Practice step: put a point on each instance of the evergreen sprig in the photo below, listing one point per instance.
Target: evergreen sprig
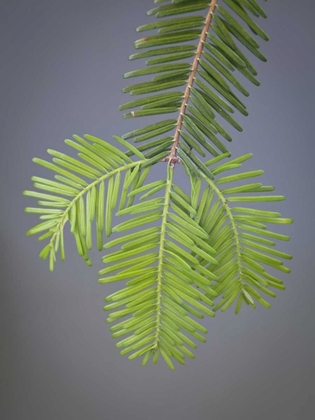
(180, 255)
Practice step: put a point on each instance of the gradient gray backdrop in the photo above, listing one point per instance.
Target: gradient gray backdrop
(61, 67)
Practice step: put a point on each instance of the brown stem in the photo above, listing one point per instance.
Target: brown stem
(172, 156)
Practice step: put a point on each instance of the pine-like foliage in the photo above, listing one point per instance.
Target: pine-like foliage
(210, 67)
(180, 255)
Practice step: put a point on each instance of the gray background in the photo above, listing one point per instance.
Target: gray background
(61, 67)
